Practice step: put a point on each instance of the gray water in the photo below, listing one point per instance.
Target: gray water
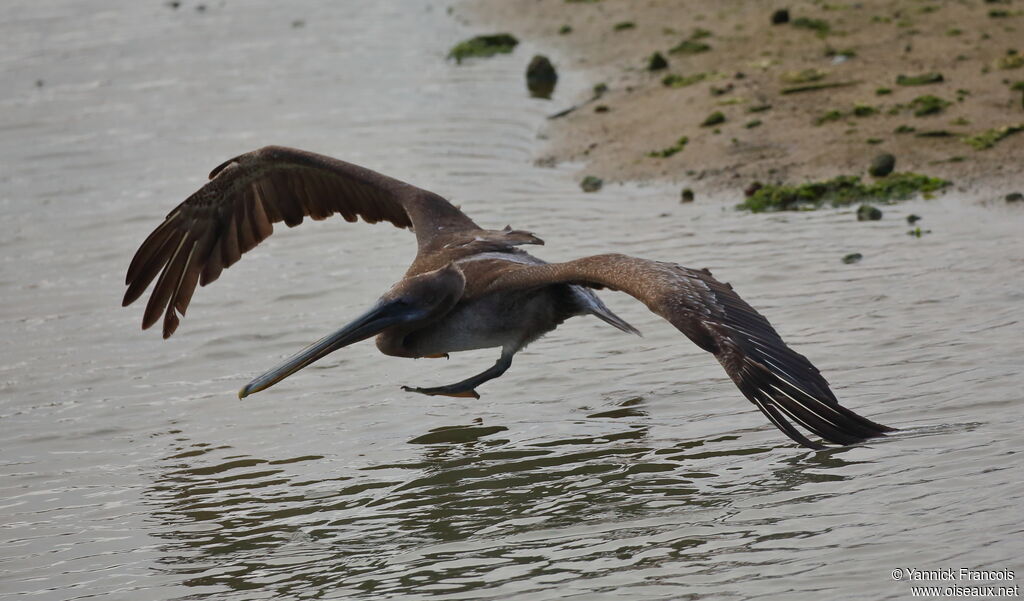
(601, 466)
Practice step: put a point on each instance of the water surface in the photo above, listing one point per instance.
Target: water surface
(601, 466)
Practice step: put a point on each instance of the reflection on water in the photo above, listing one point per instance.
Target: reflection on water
(467, 516)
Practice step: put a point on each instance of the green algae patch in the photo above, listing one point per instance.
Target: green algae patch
(1010, 61)
(989, 138)
(803, 76)
(818, 26)
(673, 80)
(813, 87)
(690, 46)
(840, 191)
(833, 115)
(863, 110)
(664, 153)
(928, 105)
(919, 80)
(715, 118)
(483, 46)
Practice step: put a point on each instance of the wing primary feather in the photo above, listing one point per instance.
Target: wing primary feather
(162, 292)
(149, 247)
(145, 274)
(779, 421)
(170, 318)
(214, 265)
(191, 275)
(229, 248)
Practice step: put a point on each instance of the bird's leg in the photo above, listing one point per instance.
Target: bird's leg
(466, 387)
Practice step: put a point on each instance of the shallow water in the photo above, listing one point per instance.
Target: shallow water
(602, 466)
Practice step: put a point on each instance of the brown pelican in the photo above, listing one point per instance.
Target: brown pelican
(468, 288)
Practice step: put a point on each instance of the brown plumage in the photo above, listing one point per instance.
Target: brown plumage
(468, 287)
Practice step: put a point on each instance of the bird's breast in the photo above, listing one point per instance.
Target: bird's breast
(495, 320)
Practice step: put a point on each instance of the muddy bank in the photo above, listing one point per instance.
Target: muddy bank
(812, 92)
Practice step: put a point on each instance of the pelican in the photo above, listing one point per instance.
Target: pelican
(468, 287)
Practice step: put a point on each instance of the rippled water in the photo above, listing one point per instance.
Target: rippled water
(602, 466)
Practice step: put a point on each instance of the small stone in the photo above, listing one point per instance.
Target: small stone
(752, 189)
(867, 212)
(1014, 197)
(882, 165)
(591, 183)
(657, 62)
(852, 258)
(780, 16)
(687, 195)
(912, 219)
(541, 77)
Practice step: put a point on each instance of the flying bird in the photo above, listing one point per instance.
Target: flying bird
(468, 287)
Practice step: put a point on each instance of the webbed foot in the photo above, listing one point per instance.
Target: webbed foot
(452, 391)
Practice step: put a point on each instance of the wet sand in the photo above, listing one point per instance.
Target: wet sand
(769, 135)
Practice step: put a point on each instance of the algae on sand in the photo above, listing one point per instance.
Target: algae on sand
(987, 139)
(483, 46)
(928, 105)
(919, 80)
(664, 153)
(839, 191)
(689, 47)
(673, 80)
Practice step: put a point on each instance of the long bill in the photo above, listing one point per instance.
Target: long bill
(380, 317)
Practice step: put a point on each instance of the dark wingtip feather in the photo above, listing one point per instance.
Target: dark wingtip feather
(779, 399)
(170, 323)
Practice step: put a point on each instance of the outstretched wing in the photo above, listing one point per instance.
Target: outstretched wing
(235, 211)
(781, 382)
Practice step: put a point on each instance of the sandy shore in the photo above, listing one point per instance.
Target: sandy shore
(732, 59)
